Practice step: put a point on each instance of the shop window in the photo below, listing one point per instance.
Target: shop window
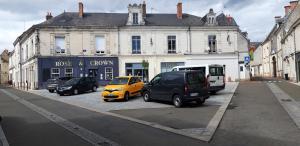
(100, 44)
(135, 18)
(212, 41)
(108, 73)
(55, 73)
(136, 44)
(241, 68)
(167, 66)
(60, 44)
(171, 44)
(69, 72)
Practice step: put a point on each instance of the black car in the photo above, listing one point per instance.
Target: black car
(53, 83)
(178, 87)
(77, 85)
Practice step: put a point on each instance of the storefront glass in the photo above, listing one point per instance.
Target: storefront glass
(167, 66)
(137, 69)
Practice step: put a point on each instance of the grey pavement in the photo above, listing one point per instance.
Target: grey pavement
(255, 118)
(292, 89)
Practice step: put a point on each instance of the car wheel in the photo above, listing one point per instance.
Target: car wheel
(106, 100)
(94, 89)
(200, 101)
(146, 96)
(60, 94)
(51, 91)
(75, 91)
(126, 96)
(177, 101)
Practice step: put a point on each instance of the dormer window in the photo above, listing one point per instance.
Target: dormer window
(211, 17)
(135, 18)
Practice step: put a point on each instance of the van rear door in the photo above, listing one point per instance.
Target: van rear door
(195, 83)
(216, 77)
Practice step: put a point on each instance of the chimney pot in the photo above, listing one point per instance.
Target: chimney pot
(49, 16)
(287, 10)
(80, 9)
(144, 9)
(179, 10)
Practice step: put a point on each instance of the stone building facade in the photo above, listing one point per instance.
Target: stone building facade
(105, 45)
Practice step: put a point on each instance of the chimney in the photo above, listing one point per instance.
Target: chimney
(49, 16)
(278, 20)
(144, 9)
(179, 10)
(229, 19)
(80, 9)
(293, 5)
(287, 10)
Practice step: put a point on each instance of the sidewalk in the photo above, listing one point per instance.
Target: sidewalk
(292, 89)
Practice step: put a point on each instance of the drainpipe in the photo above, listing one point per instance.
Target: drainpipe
(190, 39)
(119, 50)
(296, 72)
(20, 63)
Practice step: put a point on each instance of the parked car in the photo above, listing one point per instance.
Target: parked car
(53, 83)
(78, 85)
(178, 87)
(215, 75)
(122, 88)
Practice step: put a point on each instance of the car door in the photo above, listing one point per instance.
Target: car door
(84, 85)
(155, 87)
(132, 86)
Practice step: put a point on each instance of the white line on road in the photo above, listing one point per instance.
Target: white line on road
(85, 134)
(3, 140)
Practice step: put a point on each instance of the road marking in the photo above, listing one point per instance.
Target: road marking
(85, 134)
(288, 103)
(3, 140)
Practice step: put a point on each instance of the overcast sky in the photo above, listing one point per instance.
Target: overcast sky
(254, 16)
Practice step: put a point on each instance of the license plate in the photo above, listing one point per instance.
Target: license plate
(111, 95)
(194, 94)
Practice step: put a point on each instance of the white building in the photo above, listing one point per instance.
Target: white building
(105, 45)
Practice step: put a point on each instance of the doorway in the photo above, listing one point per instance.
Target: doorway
(274, 67)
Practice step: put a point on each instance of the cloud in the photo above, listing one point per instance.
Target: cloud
(254, 16)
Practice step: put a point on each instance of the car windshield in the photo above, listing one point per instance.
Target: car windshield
(52, 81)
(118, 81)
(216, 71)
(72, 81)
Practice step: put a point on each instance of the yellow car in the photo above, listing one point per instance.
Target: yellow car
(122, 88)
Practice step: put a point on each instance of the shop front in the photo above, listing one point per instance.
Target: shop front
(102, 68)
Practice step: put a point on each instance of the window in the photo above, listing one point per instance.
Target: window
(108, 73)
(135, 18)
(171, 44)
(136, 44)
(55, 73)
(100, 44)
(156, 79)
(241, 68)
(212, 43)
(60, 44)
(69, 72)
(167, 66)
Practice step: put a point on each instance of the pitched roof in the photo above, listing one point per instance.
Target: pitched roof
(71, 19)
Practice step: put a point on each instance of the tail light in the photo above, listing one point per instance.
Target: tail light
(186, 89)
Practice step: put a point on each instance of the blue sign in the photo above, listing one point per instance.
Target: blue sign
(247, 59)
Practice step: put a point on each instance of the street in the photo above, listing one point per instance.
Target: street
(254, 117)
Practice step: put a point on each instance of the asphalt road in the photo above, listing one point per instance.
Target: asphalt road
(254, 118)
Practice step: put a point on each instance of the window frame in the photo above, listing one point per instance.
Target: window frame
(136, 44)
(52, 73)
(101, 50)
(135, 18)
(69, 73)
(56, 44)
(106, 72)
(172, 44)
(212, 43)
